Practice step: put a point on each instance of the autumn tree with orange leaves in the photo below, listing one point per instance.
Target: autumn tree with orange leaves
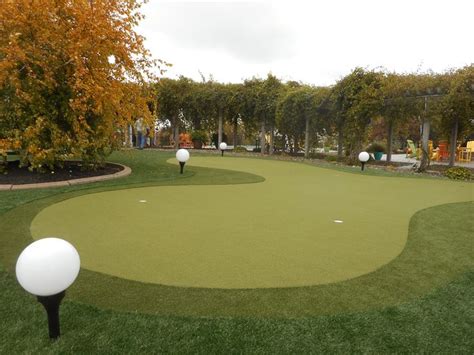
(73, 74)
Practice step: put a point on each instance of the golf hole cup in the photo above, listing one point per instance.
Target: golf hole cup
(46, 268)
(364, 158)
(182, 155)
(223, 147)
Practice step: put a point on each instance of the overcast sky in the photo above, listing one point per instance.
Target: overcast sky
(316, 42)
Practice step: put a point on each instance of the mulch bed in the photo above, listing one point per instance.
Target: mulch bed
(71, 170)
(432, 169)
(388, 163)
(443, 168)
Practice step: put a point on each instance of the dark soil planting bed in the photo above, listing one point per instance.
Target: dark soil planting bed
(71, 170)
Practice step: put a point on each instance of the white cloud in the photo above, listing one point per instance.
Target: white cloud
(312, 41)
(248, 31)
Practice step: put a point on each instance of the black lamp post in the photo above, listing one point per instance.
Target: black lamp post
(182, 155)
(46, 268)
(223, 147)
(364, 158)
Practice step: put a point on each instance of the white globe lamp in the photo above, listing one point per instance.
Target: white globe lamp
(46, 268)
(363, 158)
(182, 155)
(223, 147)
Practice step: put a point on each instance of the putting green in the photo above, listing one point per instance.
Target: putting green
(278, 233)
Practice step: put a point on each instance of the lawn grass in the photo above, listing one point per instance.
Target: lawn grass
(435, 316)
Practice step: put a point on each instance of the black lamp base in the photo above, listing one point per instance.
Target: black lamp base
(51, 305)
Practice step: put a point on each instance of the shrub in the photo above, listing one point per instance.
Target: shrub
(375, 147)
(165, 137)
(317, 155)
(240, 150)
(3, 161)
(199, 135)
(458, 173)
(335, 158)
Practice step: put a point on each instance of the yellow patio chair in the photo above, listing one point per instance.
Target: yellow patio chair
(470, 145)
(411, 150)
(465, 153)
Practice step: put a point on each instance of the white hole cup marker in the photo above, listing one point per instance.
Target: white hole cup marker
(182, 155)
(223, 147)
(363, 158)
(46, 268)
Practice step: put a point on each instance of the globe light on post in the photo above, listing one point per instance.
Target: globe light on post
(223, 147)
(46, 268)
(364, 158)
(182, 156)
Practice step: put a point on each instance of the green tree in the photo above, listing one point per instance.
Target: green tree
(248, 106)
(428, 90)
(356, 98)
(215, 96)
(172, 103)
(457, 106)
(267, 96)
(398, 105)
(200, 105)
(299, 114)
(235, 105)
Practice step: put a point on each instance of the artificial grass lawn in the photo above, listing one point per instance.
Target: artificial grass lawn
(277, 233)
(421, 301)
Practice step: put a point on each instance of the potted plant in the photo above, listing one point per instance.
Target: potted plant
(376, 149)
(198, 137)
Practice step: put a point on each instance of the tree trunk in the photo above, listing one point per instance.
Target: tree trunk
(236, 127)
(176, 133)
(340, 140)
(219, 130)
(197, 124)
(130, 136)
(306, 139)
(272, 139)
(262, 138)
(454, 138)
(389, 141)
(355, 149)
(425, 159)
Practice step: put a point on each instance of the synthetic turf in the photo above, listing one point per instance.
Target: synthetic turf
(278, 233)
